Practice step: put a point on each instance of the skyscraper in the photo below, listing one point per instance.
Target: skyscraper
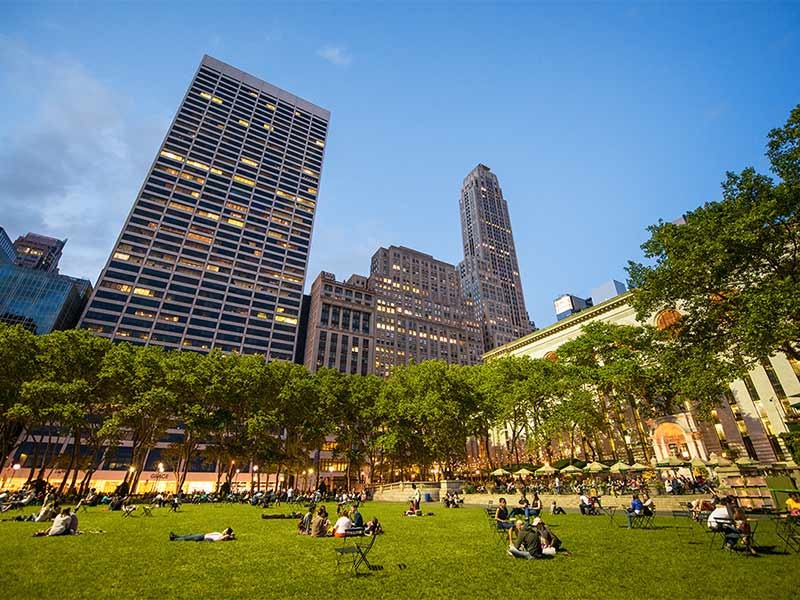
(8, 254)
(39, 252)
(421, 313)
(215, 248)
(489, 271)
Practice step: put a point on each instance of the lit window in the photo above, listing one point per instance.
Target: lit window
(216, 100)
(199, 238)
(180, 206)
(208, 215)
(122, 256)
(283, 194)
(262, 315)
(214, 268)
(312, 191)
(172, 318)
(310, 172)
(269, 106)
(247, 161)
(143, 292)
(319, 143)
(234, 206)
(244, 123)
(199, 165)
(236, 222)
(244, 180)
(289, 320)
(171, 155)
(141, 313)
(253, 94)
(216, 171)
(206, 95)
(276, 234)
(267, 126)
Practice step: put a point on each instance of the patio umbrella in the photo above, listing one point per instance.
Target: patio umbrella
(523, 472)
(546, 470)
(595, 467)
(745, 462)
(619, 467)
(718, 461)
(638, 468)
(698, 463)
(671, 462)
(570, 470)
(499, 472)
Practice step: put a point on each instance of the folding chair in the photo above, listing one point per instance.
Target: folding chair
(358, 553)
(684, 514)
(788, 530)
(147, 511)
(127, 511)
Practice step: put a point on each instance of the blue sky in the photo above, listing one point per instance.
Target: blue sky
(598, 118)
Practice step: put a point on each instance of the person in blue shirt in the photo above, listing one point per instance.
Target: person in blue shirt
(634, 511)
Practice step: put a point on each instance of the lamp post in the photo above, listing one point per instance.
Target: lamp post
(258, 479)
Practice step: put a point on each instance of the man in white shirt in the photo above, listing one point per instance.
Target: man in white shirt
(585, 504)
(215, 536)
(342, 524)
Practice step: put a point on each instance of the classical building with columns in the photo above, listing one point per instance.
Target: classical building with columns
(748, 421)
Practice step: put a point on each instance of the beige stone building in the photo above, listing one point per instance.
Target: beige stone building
(747, 422)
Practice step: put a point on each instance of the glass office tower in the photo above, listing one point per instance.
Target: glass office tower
(214, 252)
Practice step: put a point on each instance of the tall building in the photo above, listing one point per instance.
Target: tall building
(40, 252)
(214, 251)
(489, 271)
(421, 312)
(341, 325)
(8, 254)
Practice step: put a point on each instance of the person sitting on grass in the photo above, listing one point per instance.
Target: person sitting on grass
(358, 520)
(373, 527)
(66, 523)
(320, 524)
(501, 518)
(343, 523)
(528, 545)
(227, 535)
(551, 543)
(555, 509)
(634, 511)
(304, 526)
(412, 509)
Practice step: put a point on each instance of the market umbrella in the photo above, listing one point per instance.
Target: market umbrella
(619, 467)
(638, 468)
(671, 462)
(499, 472)
(546, 470)
(595, 467)
(523, 472)
(698, 463)
(745, 461)
(570, 470)
(718, 461)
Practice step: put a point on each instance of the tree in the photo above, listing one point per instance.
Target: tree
(135, 379)
(18, 348)
(733, 268)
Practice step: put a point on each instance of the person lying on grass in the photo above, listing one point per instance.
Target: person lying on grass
(66, 523)
(215, 536)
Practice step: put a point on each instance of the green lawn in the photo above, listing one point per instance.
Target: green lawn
(450, 555)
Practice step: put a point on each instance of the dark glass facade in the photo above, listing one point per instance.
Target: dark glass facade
(8, 255)
(40, 301)
(215, 249)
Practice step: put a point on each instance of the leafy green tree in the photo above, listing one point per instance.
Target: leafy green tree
(733, 268)
(135, 379)
(18, 349)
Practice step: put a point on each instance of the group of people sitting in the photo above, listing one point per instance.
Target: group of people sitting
(533, 540)
(316, 523)
(729, 519)
(452, 500)
(589, 505)
(64, 523)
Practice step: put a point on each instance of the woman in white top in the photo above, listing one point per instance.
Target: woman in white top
(342, 524)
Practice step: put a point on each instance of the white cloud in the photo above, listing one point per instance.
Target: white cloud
(336, 55)
(72, 155)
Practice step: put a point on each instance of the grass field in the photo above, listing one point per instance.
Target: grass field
(450, 555)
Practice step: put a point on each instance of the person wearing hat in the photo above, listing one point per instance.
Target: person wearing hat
(527, 545)
(214, 536)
